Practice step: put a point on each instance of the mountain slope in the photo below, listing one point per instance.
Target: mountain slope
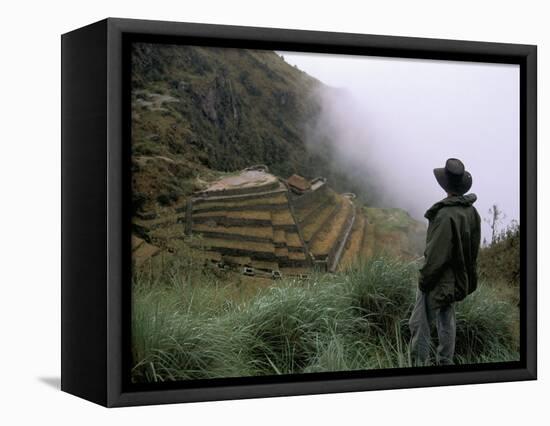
(216, 109)
(201, 113)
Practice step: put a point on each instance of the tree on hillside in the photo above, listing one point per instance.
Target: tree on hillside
(496, 216)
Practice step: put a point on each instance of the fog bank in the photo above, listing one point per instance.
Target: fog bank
(395, 120)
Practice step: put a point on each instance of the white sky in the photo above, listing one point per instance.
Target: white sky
(411, 115)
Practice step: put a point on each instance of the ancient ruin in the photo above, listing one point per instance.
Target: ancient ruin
(263, 225)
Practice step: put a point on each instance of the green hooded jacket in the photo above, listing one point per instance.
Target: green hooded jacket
(449, 272)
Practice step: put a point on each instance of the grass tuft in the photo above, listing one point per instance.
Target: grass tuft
(194, 326)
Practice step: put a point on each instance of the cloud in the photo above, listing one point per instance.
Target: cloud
(392, 121)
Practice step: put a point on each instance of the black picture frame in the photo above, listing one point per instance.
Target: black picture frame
(95, 213)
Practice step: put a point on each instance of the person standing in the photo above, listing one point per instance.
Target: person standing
(449, 272)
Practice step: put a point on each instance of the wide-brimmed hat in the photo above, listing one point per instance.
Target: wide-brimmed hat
(454, 178)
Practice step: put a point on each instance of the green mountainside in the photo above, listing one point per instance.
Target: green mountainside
(217, 109)
(201, 113)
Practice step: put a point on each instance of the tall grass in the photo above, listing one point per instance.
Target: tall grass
(193, 326)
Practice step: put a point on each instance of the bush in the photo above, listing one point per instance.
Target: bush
(500, 260)
(487, 326)
(138, 201)
(169, 197)
(384, 290)
(287, 323)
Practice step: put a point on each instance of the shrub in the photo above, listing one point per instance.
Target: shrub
(288, 321)
(500, 260)
(383, 289)
(487, 326)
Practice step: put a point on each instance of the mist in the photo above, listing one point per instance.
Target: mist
(392, 121)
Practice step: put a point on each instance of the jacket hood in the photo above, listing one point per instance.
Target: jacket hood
(455, 200)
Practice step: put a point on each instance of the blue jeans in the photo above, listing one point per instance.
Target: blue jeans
(422, 317)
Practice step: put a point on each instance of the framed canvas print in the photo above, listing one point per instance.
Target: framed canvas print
(252, 212)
